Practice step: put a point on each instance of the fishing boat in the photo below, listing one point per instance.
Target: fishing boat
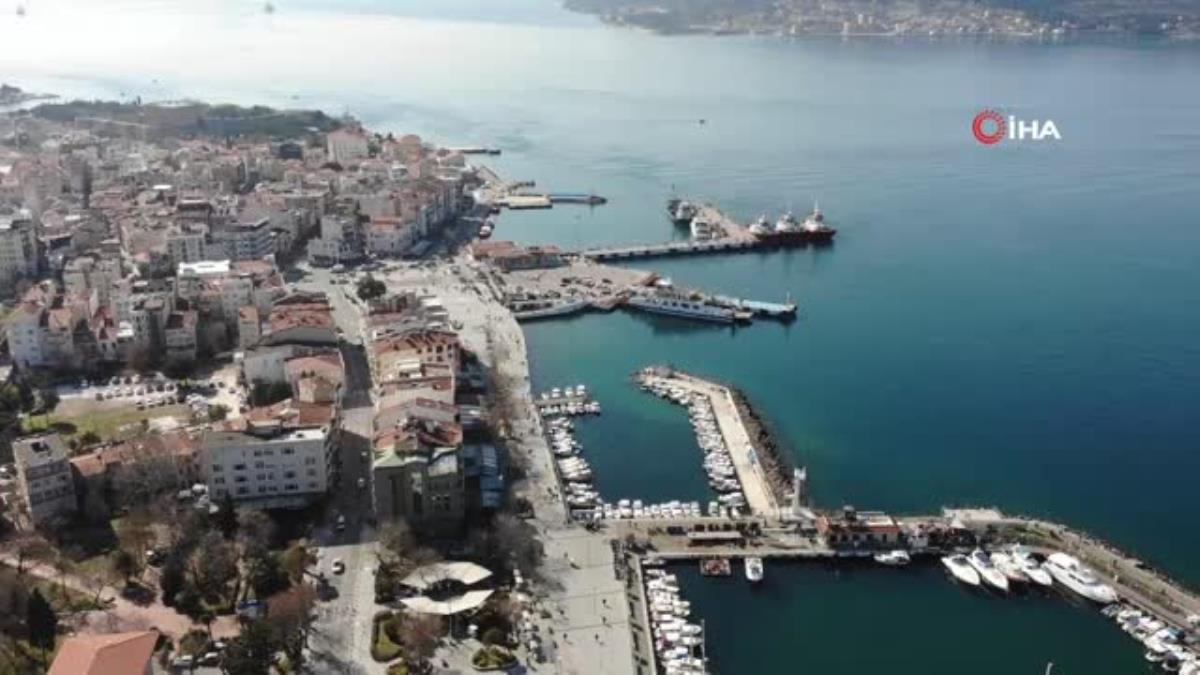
(1068, 571)
(754, 569)
(982, 562)
(961, 568)
(896, 558)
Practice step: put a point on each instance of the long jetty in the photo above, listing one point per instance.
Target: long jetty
(672, 248)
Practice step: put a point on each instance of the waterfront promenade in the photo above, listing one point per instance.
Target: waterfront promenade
(577, 600)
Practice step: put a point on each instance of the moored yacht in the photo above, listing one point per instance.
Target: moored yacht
(1024, 559)
(754, 569)
(1068, 571)
(982, 562)
(1009, 568)
(961, 568)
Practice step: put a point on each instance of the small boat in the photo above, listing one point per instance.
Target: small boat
(982, 562)
(896, 558)
(754, 569)
(961, 569)
(1069, 572)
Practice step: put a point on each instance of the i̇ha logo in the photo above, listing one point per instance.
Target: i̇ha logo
(990, 127)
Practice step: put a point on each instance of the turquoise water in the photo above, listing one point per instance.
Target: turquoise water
(1014, 325)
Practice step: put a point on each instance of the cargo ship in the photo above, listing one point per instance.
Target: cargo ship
(787, 232)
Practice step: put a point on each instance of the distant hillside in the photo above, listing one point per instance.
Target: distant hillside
(1177, 18)
(189, 118)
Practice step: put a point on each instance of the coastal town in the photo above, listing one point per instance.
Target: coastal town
(902, 18)
(267, 408)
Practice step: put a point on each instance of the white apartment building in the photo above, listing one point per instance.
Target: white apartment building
(44, 479)
(285, 470)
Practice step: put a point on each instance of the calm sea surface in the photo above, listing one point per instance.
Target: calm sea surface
(1015, 325)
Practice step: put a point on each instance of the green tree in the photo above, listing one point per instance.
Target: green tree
(264, 572)
(369, 287)
(126, 564)
(172, 580)
(50, 400)
(226, 518)
(89, 438)
(253, 651)
(41, 622)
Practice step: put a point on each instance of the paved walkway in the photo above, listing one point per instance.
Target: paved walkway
(586, 630)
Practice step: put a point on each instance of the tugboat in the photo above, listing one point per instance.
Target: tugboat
(787, 232)
(815, 229)
(761, 226)
(681, 212)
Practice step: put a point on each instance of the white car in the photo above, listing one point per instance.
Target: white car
(338, 566)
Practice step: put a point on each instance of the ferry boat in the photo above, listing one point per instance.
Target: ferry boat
(681, 212)
(1068, 571)
(896, 558)
(982, 562)
(754, 569)
(962, 570)
(673, 303)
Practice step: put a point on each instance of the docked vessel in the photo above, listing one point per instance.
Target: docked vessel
(1068, 571)
(788, 232)
(666, 300)
(754, 569)
(896, 558)
(962, 570)
(1009, 568)
(681, 212)
(1024, 559)
(761, 226)
(982, 562)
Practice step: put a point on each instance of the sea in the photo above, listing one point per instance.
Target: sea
(1014, 325)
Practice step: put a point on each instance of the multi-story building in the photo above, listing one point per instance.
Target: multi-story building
(18, 246)
(44, 478)
(179, 336)
(280, 456)
(247, 240)
(341, 241)
(346, 145)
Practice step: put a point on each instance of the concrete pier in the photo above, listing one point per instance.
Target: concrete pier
(760, 499)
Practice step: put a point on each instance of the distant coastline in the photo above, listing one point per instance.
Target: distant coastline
(854, 19)
(14, 96)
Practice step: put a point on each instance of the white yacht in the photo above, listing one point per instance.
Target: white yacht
(896, 558)
(1024, 559)
(1009, 568)
(754, 569)
(1069, 572)
(982, 562)
(961, 569)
